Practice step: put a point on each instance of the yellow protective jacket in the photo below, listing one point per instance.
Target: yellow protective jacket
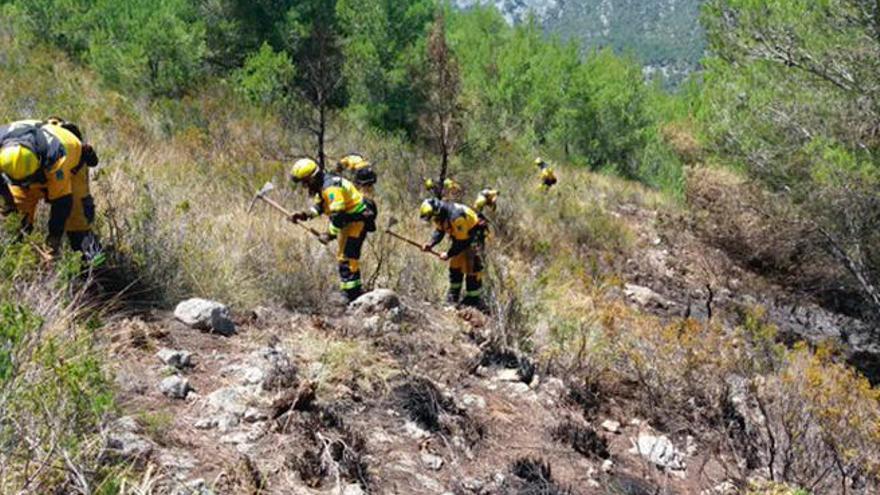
(458, 221)
(487, 197)
(548, 177)
(341, 201)
(353, 162)
(59, 152)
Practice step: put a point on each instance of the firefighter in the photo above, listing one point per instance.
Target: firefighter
(462, 224)
(360, 170)
(451, 188)
(547, 176)
(48, 161)
(351, 218)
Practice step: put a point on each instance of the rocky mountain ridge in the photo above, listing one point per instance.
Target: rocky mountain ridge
(664, 34)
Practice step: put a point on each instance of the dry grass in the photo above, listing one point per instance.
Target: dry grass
(177, 178)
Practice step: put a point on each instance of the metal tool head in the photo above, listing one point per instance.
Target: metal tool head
(267, 187)
(392, 221)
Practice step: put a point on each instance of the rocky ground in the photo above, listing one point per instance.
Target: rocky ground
(389, 396)
(674, 272)
(396, 396)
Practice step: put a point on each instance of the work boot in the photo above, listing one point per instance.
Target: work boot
(452, 297)
(474, 302)
(352, 294)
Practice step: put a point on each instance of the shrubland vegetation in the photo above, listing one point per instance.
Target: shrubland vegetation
(194, 105)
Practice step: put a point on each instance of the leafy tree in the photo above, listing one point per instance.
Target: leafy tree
(236, 28)
(266, 77)
(608, 109)
(158, 46)
(381, 40)
(793, 95)
(155, 45)
(312, 36)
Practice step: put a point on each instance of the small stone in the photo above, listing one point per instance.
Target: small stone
(414, 431)
(433, 462)
(646, 297)
(127, 446)
(472, 485)
(660, 451)
(126, 423)
(254, 415)
(611, 426)
(175, 358)
(235, 438)
(175, 387)
(593, 484)
(607, 466)
(252, 376)
(507, 375)
(206, 423)
(353, 489)
(232, 400)
(205, 315)
(482, 371)
(725, 488)
(471, 401)
(690, 446)
(375, 301)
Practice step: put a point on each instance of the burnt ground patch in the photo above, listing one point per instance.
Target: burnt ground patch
(422, 402)
(331, 450)
(587, 396)
(583, 439)
(507, 358)
(532, 476)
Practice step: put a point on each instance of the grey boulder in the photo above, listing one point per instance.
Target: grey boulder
(202, 314)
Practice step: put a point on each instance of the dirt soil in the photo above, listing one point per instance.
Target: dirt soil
(401, 405)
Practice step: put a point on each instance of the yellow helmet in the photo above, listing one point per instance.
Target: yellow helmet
(539, 161)
(18, 162)
(303, 169)
(429, 184)
(429, 209)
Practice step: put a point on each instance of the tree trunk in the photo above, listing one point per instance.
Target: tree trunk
(322, 127)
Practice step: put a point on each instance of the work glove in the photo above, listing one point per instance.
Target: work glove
(444, 256)
(298, 217)
(89, 157)
(325, 238)
(427, 247)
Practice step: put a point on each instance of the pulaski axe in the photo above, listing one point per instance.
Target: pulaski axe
(262, 195)
(391, 223)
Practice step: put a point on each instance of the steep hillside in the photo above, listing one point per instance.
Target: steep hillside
(625, 349)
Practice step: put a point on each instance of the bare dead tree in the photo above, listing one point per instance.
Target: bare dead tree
(440, 122)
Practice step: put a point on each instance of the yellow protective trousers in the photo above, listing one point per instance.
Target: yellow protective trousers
(466, 268)
(350, 243)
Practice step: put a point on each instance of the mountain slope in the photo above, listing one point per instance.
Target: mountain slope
(664, 34)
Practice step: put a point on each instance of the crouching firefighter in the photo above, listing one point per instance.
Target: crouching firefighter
(546, 174)
(467, 231)
(47, 161)
(352, 216)
(360, 171)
